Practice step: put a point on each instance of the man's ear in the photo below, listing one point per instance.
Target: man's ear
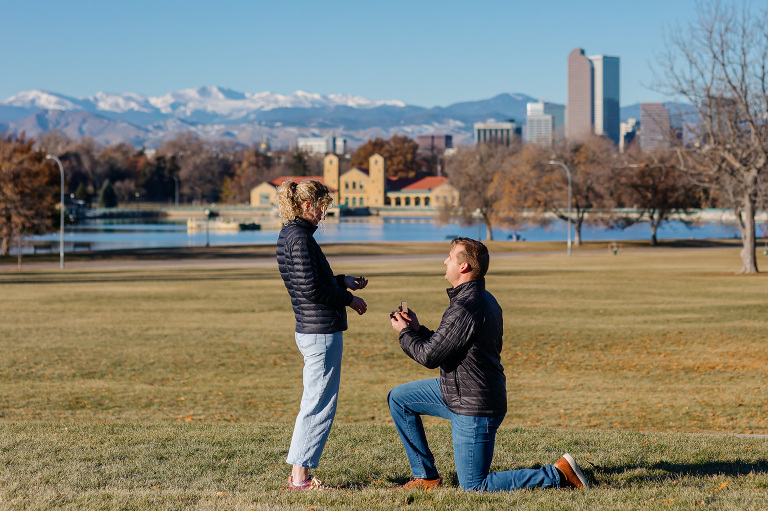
(465, 267)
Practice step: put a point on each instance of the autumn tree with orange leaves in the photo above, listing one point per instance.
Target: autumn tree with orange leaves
(399, 154)
(29, 191)
(542, 188)
(251, 168)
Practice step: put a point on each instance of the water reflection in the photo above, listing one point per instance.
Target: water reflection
(114, 235)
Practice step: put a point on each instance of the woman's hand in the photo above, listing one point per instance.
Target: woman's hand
(358, 305)
(355, 283)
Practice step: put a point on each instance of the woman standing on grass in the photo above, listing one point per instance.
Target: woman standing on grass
(319, 299)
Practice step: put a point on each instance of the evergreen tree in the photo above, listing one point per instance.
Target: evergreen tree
(82, 194)
(107, 195)
(299, 165)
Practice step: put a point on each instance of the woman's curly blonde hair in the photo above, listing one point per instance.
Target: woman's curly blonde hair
(291, 195)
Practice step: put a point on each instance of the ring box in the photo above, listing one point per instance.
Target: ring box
(402, 308)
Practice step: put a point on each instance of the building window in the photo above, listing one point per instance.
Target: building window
(346, 185)
(354, 202)
(397, 201)
(361, 201)
(264, 198)
(407, 201)
(417, 201)
(361, 185)
(354, 185)
(346, 201)
(426, 201)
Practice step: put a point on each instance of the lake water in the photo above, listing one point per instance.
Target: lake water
(125, 236)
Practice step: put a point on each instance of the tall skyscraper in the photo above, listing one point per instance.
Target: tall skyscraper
(593, 96)
(580, 109)
(607, 116)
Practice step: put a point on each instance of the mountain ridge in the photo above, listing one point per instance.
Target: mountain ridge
(214, 112)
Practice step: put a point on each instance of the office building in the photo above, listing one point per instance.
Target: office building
(322, 145)
(580, 107)
(607, 116)
(593, 97)
(492, 132)
(628, 133)
(655, 126)
(434, 143)
(544, 123)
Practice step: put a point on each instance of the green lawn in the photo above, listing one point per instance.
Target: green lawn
(177, 388)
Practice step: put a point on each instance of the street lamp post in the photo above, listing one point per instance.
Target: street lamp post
(479, 215)
(570, 186)
(61, 207)
(207, 224)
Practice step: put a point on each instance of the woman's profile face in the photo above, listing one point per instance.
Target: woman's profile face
(311, 213)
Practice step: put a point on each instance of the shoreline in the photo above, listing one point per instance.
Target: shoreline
(227, 255)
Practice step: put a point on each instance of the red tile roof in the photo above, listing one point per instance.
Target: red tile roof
(416, 185)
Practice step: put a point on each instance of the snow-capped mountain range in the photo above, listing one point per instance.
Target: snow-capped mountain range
(220, 113)
(221, 101)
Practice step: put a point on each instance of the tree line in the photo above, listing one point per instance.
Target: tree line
(719, 158)
(198, 171)
(521, 184)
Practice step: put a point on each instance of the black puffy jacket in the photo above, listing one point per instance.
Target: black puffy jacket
(318, 297)
(467, 348)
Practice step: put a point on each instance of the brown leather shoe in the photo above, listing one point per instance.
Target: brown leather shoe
(420, 484)
(570, 473)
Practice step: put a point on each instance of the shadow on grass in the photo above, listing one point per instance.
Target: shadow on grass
(641, 473)
(664, 470)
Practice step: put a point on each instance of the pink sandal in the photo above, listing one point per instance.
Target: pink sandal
(311, 483)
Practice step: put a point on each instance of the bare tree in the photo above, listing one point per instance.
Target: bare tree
(653, 184)
(251, 168)
(202, 165)
(478, 174)
(543, 189)
(720, 65)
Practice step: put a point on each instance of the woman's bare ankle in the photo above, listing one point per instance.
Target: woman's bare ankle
(299, 474)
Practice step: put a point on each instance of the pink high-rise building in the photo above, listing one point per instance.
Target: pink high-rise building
(580, 113)
(593, 97)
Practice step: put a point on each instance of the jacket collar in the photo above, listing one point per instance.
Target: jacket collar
(477, 284)
(304, 224)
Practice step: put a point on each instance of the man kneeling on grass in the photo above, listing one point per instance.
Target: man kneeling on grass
(471, 391)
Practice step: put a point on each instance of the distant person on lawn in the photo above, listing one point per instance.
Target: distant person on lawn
(471, 391)
(319, 300)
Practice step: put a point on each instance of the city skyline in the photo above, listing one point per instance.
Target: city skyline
(425, 54)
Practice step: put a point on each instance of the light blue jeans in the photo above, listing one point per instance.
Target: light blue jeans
(322, 371)
(473, 442)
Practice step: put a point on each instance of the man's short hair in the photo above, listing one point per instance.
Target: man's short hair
(475, 254)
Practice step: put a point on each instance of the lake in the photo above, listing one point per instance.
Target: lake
(113, 236)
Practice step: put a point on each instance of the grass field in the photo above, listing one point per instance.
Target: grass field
(176, 388)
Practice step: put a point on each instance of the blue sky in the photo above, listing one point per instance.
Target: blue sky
(423, 52)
